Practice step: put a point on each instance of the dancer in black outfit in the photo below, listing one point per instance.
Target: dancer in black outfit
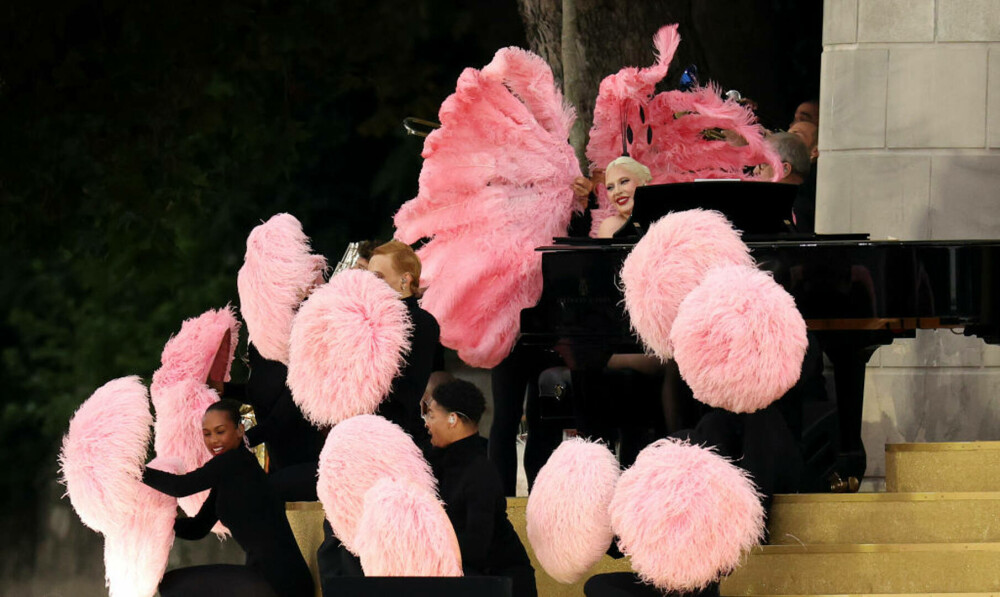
(241, 499)
(471, 490)
(293, 444)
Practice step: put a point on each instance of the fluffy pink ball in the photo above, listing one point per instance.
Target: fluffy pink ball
(738, 339)
(104, 450)
(685, 515)
(203, 348)
(348, 342)
(405, 531)
(277, 273)
(569, 525)
(357, 454)
(179, 410)
(136, 551)
(668, 263)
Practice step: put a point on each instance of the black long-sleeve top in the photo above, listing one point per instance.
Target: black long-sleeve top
(474, 500)
(290, 438)
(241, 498)
(402, 406)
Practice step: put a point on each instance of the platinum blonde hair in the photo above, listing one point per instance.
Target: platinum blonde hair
(637, 169)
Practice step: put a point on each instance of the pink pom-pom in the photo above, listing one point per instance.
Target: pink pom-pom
(738, 339)
(685, 515)
(668, 263)
(569, 525)
(136, 552)
(203, 349)
(277, 273)
(180, 408)
(103, 452)
(358, 453)
(348, 343)
(405, 531)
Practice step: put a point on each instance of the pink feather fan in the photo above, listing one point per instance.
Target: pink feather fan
(202, 349)
(685, 515)
(668, 128)
(180, 408)
(277, 274)
(568, 521)
(136, 552)
(405, 531)
(103, 453)
(495, 185)
(738, 339)
(357, 454)
(348, 342)
(668, 263)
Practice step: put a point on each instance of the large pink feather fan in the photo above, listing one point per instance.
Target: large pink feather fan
(180, 408)
(685, 515)
(202, 349)
(348, 342)
(569, 525)
(405, 531)
(358, 453)
(277, 274)
(495, 184)
(103, 453)
(738, 339)
(669, 127)
(668, 263)
(136, 552)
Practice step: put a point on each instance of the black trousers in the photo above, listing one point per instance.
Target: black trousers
(514, 381)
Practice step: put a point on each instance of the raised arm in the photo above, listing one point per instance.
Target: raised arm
(197, 480)
(199, 525)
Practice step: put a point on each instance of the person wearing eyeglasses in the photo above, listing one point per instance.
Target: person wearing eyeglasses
(471, 489)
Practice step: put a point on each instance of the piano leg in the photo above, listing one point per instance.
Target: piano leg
(849, 351)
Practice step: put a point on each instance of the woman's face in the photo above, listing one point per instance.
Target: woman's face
(221, 434)
(620, 184)
(438, 423)
(383, 267)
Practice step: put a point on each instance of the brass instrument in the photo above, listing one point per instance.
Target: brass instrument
(419, 126)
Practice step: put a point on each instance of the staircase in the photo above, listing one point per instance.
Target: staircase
(935, 531)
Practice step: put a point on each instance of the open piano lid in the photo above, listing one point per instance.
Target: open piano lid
(759, 209)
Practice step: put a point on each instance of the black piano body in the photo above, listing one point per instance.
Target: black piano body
(855, 296)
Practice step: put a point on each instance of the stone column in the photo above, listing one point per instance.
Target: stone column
(910, 149)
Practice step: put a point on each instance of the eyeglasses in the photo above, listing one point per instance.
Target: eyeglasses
(425, 411)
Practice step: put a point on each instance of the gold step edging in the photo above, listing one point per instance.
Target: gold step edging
(944, 447)
(916, 496)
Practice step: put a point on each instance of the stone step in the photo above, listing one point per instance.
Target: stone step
(868, 569)
(811, 519)
(944, 466)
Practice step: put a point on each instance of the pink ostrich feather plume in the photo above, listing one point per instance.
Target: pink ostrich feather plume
(179, 410)
(349, 341)
(495, 184)
(136, 552)
(738, 339)
(685, 515)
(103, 453)
(358, 453)
(202, 349)
(670, 139)
(669, 262)
(568, 521)
(278, 272)
(404, 531)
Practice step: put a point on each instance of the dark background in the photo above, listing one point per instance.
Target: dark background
(141, 141)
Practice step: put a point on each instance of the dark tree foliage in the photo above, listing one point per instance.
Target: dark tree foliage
(141, 141)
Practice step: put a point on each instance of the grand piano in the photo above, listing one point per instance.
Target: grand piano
(854, 293)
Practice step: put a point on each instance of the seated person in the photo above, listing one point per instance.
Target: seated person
(241, 498)
(470, 487)
(795, 169)
(621, 178)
